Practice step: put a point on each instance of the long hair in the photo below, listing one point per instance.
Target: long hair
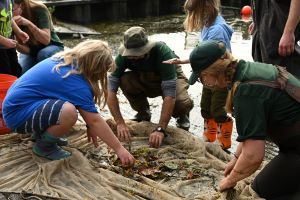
(28, 7)
(229, 100)
(92, 59)
(200, 13)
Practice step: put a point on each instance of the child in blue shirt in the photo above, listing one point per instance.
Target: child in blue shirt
(44, 101)
(204, 16)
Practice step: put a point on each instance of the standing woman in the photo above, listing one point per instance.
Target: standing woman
(34, 18)
(261, 111)
(204, 16)
(276, 32)
(44, 101)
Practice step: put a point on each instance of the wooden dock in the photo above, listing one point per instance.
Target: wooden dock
(86, 11)
(237, 3)
(73, 2)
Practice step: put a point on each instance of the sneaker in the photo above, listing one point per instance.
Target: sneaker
(142, 116)
(183, 122)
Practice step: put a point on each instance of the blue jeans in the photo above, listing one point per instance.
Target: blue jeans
(27, 61)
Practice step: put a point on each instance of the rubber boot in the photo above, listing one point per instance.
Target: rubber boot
(142, 116)
(210, 130)
(46, 146)
(224, 133)
(183, 122)
(60, 142)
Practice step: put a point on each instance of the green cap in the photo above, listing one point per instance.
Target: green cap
(203, 56)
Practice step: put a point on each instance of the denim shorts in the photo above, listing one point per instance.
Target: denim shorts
(45, 116)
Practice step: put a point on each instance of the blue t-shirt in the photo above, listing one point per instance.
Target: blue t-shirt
(40, 84)
(219, 31)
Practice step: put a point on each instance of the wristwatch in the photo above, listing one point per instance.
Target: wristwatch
(160, 129)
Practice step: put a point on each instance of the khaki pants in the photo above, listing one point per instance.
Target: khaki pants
(137, 86)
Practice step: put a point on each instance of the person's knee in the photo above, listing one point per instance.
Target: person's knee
(183, 100)
(183, 107)
(47, 52)
(128, 82)
(43, 54)
(187, 104)
(69, 114)
(127, 77)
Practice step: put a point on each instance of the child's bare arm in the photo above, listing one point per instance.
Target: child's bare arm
(176, 61)
(98, 128)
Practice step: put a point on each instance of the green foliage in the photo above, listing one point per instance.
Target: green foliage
(51, 9)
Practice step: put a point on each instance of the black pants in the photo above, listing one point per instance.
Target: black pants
(9, 62)
(280, 179)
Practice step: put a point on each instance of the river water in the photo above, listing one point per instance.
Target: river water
(170, 30)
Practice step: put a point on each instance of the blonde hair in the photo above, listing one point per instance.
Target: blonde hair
(219, 66)
(200, 13)
(28, 6)
(229, 100)
(92, 59)
(223, 67)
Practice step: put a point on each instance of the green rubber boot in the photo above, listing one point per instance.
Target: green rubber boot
(60, 142)
(47, 147)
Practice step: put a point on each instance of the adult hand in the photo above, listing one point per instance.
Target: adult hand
(125, 157)
(23, 37)
(123, 132)
(229, 167)
(21, 20)
(286, 44)
(156, 139)
(226, 184)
